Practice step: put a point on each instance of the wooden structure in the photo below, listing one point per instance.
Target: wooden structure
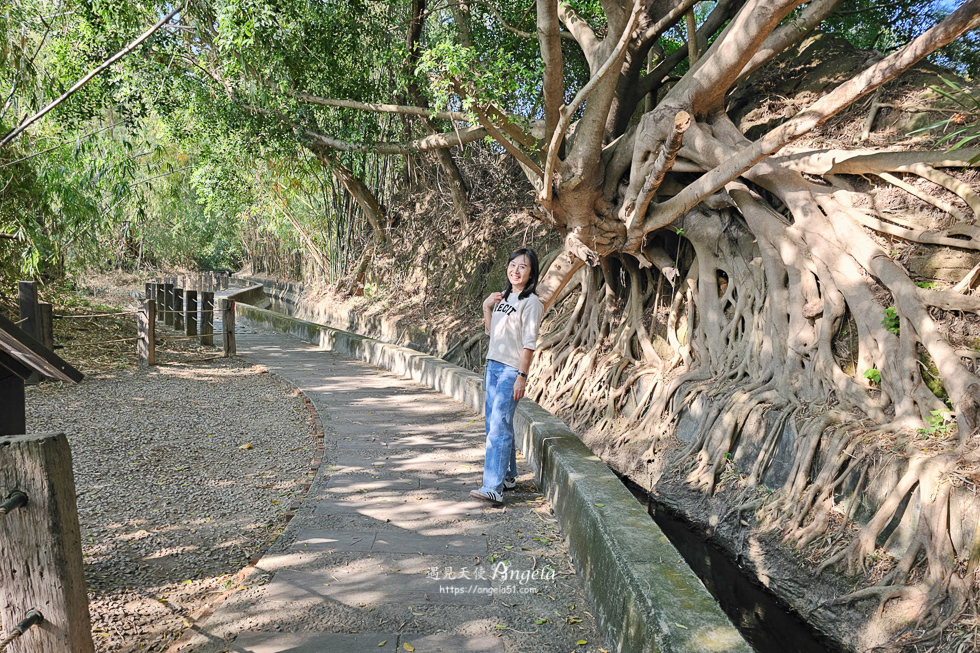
(20, 356)
(207, 318)
(35, 319)
(186, 309)
(146, 332)
(41, 547)
(227, 308)
(42, 586)
(190, 312)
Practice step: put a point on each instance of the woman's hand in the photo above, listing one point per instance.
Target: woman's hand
(492, 299)
(519, 385)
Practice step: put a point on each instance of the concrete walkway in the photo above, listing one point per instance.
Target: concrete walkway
(388, 552)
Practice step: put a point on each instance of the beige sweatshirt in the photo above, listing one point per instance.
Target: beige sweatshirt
(514, 327)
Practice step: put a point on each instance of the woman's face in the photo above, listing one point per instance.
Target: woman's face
(518, 272)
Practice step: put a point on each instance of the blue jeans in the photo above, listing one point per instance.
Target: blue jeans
(501, 462)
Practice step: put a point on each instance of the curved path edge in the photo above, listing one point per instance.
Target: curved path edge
(620, 553)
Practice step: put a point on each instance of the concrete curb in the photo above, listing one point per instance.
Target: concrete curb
(645, 598)
(253, 294)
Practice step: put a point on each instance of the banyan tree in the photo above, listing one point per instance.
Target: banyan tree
(752, 281)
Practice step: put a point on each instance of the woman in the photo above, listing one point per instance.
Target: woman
(512, 319)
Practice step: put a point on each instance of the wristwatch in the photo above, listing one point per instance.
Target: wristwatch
(524, 374)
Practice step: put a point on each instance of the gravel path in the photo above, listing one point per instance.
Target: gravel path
(183, 471)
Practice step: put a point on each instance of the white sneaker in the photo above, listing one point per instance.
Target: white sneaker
(487, 495)
(510, 483)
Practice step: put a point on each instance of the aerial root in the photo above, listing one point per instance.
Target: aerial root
(753, 337)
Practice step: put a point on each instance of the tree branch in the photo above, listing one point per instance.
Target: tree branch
(554, 84)
(519, 32)
(580, 30)
(381, 108)
(61, 144)
(506, 144)
(661, 166)
(432, 142)
(786, 35)
(372, 210)
(962, 20)
(667, 21)
(89, 77)
(712, 23)
(704, 87)
(615, 59)
(692, 37)
(863, 162)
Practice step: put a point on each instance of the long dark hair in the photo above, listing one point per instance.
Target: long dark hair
(532, 280)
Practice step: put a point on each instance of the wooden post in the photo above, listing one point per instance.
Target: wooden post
(168, 302)
(46, 316)
(13, 417)
(29, 317)
(223, 281)
(160, 300)
(207, 318)
(151, 293)
(227, 307)
(190, 312)
(41, 548)
(178, 309)
(27, 294)
(146, 331)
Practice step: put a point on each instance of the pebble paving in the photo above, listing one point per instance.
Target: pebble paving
(388, 551)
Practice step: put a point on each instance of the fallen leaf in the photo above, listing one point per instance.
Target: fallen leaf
(680, 626)
(246, 446)
(383, 643)
(581, 642)
(408, 647)
(600, 505)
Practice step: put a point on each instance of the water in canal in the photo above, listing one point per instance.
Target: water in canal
(764, 620)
